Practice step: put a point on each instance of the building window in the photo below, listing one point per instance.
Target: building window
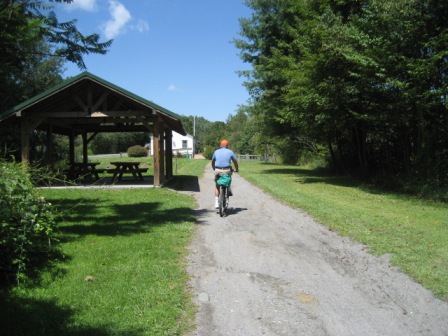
(184, 143)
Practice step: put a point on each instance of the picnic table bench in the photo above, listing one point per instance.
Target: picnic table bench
(83, 170)
(126, 167)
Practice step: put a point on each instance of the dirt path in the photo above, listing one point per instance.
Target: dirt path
(267, 269)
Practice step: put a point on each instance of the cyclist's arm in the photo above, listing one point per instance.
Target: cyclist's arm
(213, 164)
(235, 163)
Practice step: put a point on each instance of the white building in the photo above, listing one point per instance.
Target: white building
(182, 144)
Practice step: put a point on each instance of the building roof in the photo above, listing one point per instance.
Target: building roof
(88, 103)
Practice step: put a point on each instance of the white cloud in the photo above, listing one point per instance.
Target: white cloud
(87, 5)
(173, 88)
(141, 26)
(120, 16)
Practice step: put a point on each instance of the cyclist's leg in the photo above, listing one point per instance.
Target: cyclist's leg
(216, 190)
(229, 188)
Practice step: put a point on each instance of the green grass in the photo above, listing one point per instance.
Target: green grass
(413, 231)
(123, 270)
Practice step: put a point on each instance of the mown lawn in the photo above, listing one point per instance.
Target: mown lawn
(413, 231)
(123, 266)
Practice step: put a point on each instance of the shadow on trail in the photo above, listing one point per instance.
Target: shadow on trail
(233, 211)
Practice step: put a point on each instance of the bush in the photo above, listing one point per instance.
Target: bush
(26, 223)
(137, 151)
(208, 152)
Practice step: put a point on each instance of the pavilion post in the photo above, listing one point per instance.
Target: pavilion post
(84, 147)
(156, 154)
(49, 145)
(25, 140)
(71, 139)
(162, 151)
(169, 152)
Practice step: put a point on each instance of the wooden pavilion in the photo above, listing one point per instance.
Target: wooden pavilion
(86, 105)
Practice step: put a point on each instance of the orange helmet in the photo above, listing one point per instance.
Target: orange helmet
(224, 143)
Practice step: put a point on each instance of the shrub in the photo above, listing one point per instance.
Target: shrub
(26, 223)
(137, 151)
(208, 152)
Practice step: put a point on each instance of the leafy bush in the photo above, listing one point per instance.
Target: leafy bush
(26, 223)
(208, 152)
(137, 151)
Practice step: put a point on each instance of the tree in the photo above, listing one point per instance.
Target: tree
(366, 78)
(33, 49)
(30, 30)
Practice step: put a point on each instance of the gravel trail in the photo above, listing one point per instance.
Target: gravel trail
(268, 269)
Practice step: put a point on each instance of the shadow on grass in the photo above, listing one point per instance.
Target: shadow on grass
(325, 176)
(318, 175)
(26, 317)
(184, 183)
(81, 217)
(121, 219)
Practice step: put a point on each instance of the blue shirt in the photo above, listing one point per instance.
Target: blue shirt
(223, 157)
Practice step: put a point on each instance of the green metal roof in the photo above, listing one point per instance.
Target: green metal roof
(82, 76)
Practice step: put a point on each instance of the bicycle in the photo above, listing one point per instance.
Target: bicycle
(223, 200)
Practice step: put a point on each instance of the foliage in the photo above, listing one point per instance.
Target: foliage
(366, 79)
(33, 47)
(110, 143)
(26, 223)
(130, 242)
(137, 151)
(26, 23)
(208, 153)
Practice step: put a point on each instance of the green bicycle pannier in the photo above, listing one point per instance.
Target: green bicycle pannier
(224, 180)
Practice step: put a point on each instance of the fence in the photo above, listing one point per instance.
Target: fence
(264, 158)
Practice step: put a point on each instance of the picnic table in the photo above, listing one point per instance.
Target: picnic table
(84, 170)
(126, 167)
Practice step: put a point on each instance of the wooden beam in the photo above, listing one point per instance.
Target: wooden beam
(80, 102)
(100, 101)
(156, 154)
(169, 152)
(84, 148)
(97, 114)
(146, 123)
(162, 150)
(71, 154)
(49, 146)
(25, 135)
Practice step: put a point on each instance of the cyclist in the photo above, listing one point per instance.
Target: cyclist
(221, 163)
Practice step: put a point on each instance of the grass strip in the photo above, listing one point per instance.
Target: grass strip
(413, 231)
(123, 266)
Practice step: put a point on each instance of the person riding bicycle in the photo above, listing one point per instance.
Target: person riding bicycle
(221, 164)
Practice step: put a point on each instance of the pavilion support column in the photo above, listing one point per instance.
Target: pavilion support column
(71, 140)
(169, 152)
(49, 146)
(156, 154)
(26, 130)
(84, 147)
(162, 151)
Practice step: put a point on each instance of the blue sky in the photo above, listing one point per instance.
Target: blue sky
(176, 53)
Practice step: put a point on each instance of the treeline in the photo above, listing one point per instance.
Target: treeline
(363, 82)
(238, 129)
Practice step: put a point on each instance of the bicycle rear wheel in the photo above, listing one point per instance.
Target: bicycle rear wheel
(222, 200)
